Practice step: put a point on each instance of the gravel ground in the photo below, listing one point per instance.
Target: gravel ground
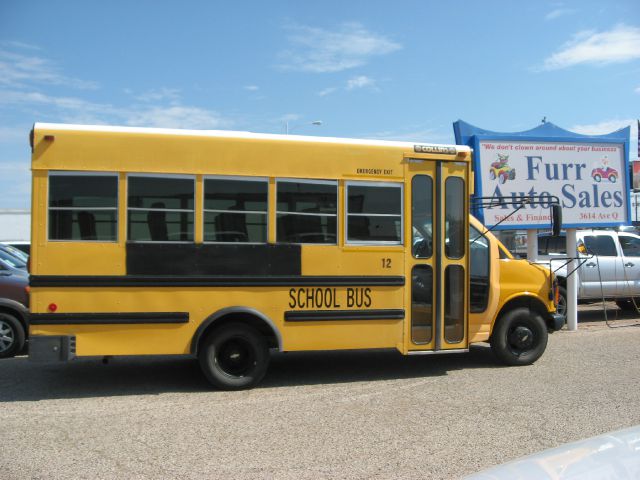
(318, 415)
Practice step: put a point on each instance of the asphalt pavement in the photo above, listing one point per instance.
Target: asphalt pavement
(318, 415)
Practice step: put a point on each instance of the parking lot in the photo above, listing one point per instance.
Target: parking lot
(318, 415)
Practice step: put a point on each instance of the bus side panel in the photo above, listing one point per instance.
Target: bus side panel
(200, 303)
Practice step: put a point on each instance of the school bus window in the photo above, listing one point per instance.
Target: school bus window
(83, 207)
(422, 216)
(374, 213)
(454, 217)
(478, 270)
(160, 209)
(307, 211)
(235, 210)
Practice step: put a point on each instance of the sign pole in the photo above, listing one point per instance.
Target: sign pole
(532, 245)
(572, 281)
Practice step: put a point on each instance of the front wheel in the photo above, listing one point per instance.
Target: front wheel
(234, 357)
(12, 336)
(519, 337)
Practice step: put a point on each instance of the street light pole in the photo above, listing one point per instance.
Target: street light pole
(286, 125)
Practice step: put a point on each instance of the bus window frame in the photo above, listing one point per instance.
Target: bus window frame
(61, 173)
(162, 175)
(374, 243)
(235, 178)
(311, 181)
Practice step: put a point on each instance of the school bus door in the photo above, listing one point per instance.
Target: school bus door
(437, 263)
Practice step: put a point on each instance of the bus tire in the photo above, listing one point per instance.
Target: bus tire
(520, 337)
(12, 335)
(234, 357)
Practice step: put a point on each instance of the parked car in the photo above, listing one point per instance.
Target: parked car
(14, 303)
(607, 173)
(609, 269)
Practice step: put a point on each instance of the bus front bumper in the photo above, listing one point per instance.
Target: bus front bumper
(557, 321)
(52, 348)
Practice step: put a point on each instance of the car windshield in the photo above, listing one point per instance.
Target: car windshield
(12, 260)
(16, 252)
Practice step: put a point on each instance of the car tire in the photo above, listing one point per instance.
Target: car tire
(492, 174)
(613, 178)
(628, 304)
(12, 335)
(234, 357)
(519, 337)
(597, 178)
(503, 178)
(561, 308)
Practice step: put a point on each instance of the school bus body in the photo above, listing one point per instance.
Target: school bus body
(122, 297)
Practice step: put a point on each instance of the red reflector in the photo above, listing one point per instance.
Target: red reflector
(52, 307)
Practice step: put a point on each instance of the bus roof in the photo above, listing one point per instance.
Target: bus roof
(239, 135)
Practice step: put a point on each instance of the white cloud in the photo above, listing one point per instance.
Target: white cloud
(319, 51)
(621, 44)
(17, 70)
(361, 81)
(326, 91)
(637, 90)
(177, 117)
(558, 12)
(76, 110)
(251, 88)
(13, 134)
(606, 126)
(417, 134)
(159, 94)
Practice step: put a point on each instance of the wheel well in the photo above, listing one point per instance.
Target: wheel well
(15, 313)
(251, 318)
(532, 303)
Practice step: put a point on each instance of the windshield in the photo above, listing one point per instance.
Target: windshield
(11, 260)
(16, 252)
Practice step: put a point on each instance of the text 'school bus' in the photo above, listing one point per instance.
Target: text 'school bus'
(224, 245)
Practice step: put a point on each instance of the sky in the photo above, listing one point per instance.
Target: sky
(403, 70)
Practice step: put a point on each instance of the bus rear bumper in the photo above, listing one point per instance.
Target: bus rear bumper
(52, 348)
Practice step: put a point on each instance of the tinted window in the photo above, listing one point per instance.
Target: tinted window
(422, 216)
(630, 246)
(160, 209)
(479, 270)
(454, 217)
(421, 304)
(454, 294)
(235, 210)
(307, 212)
(83, 207)
(601, 245)
(374, 213)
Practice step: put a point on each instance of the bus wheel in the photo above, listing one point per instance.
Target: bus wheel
(234, 357)
(11, 336)
(520, 337)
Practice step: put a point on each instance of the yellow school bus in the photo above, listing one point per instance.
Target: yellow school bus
(225, 245)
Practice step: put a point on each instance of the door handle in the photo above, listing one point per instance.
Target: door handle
(591, 265)
(629, 264)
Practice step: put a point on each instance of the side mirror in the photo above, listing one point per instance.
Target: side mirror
(556, 220)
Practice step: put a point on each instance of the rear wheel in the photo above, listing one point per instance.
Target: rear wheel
(597, 177)
(520, 337)
(234, 357)
(613, 178)
(12, 336)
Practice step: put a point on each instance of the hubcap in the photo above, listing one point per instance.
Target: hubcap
(236, 357)
(6, 336)
(521, 338)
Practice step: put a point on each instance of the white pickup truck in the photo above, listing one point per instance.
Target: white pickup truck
(609, 269)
